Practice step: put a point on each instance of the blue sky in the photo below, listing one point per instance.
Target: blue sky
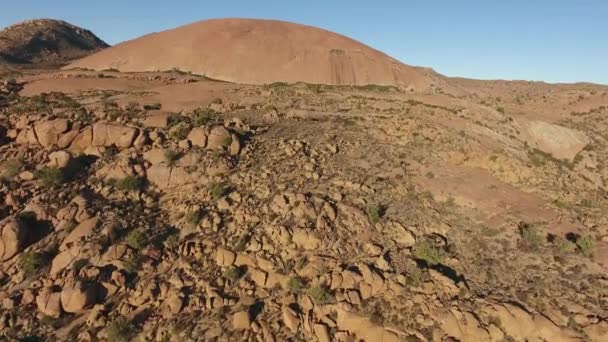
(550, 40)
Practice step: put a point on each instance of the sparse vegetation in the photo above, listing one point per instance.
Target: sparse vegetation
(137, 239)
(219, 190)
(203, 116)
(49, 176)
(11, 168)
(234, 273)
(320, 294)
(193, 217)
(132, 263)
(563, 245)
(531, 235)
(32, 262)
(586, 245)
(429, 253)
(128, 183)
(179, 131)
(295, 285)
(374, 213)
(120, 330)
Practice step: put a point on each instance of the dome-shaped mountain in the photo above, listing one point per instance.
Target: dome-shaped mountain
(46, 42)
(253, 51)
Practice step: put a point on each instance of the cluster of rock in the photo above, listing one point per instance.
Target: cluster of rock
(233, 233)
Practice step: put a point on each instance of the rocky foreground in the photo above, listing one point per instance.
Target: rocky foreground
(307, 213)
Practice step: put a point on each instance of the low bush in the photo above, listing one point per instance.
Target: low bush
(429, 253)
(50, 176)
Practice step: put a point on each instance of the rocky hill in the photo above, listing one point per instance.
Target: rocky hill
(253, 51)
(170, 207)
(46, 42)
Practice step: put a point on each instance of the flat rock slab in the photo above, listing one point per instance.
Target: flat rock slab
(561, 142)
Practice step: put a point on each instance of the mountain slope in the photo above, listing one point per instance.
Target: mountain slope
(255, 51)
(46, 42)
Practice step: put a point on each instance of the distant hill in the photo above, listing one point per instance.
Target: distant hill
(254, 51)
(46, 42)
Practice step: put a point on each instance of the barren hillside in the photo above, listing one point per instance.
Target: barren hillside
(261, 52)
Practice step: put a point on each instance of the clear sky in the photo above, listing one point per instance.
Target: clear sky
(549, 40)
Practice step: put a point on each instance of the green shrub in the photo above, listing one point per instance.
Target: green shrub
(218, 190)
(119, 330)
(132, 263)
(203, 116)
(179, 131)
(320, 294)
(429, 253)
(234, 273)
(563, 245)
(137, 239)
(11, 168)
(295, 285)
(49, 176)
(193, 217)
(586, 245)
(415, 277)
(374, 213)
(530, 234)
(32, 262)
(129, 183)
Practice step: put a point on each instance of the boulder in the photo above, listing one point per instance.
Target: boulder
(108, 134)
(59, 159)
(198, 137)
(363, 327)
(48, 132)
(83, 140)
(290, 318)
(225, 257)
(49, 302)
(77, 297)
(321, 332)
(305, 239)
(159, 175)
(155, 156)
(241, 320)
(219, 137)
(157, 119)
(13, 239)
(235, 146)
(82, 230)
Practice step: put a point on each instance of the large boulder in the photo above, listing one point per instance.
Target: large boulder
(49, 302)
(363, 327)
(157, 119)
(83, 230)
(77, 297)
(219, 137)
(108, 134)
(83, 140)
(198, 136)
(48, 132)
(13, 238)
(59, 159)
